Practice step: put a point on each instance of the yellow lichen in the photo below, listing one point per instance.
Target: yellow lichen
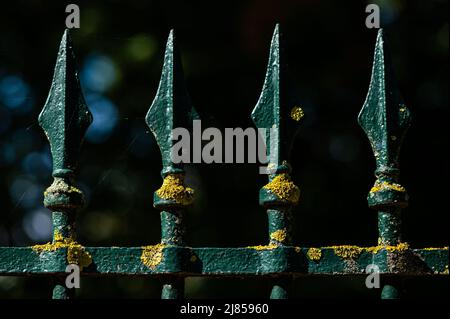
(57, 236)
(152, 255)
(59, 185)
(76, 253)
(347, 251)
(297, 113)
(284, 188)
(351, 252)
(436, 248)
(400, 247)
(314, 254)
(379, 186)
(193, 259)
(173, 188)
(264, 247)
(298, 249)
(279, 235)
(445, 272)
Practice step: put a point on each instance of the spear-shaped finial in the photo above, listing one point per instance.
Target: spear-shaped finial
(385, 120)
(65, 119)
(65, 116)
(277, 113)
(276, 110)
(171, 107)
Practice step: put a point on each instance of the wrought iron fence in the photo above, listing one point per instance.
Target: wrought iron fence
(65, 118)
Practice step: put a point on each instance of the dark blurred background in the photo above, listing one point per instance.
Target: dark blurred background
(224, 47)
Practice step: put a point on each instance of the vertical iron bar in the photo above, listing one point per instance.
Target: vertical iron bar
(171, 108)
(385, 120)
(64, 119)
(277, 113)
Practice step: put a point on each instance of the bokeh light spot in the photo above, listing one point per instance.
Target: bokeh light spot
(105, 116)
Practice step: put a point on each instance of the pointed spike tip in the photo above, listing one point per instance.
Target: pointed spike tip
(170, 45)
(276, 34)
(171, 34)
(66, 37)
(380, 39)
(65, 133)
(277, 28)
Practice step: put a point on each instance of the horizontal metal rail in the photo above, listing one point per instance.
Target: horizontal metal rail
(249, 261)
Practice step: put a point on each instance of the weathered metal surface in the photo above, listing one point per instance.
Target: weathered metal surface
(64, 119)
(277, 112)
(171, 108)
(249, 261)
(277, 107)
(385, 119)
(65, 116)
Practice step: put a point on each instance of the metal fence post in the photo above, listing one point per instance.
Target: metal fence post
(277, 112)
(385, 119)
(65, 119)
(171, 108)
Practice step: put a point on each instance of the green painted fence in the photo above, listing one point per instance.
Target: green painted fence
(384, 118)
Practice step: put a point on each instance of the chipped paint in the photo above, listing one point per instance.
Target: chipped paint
(173, 188)
(152, 255)
(282, 186)
(297, 113)
(314, 254)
